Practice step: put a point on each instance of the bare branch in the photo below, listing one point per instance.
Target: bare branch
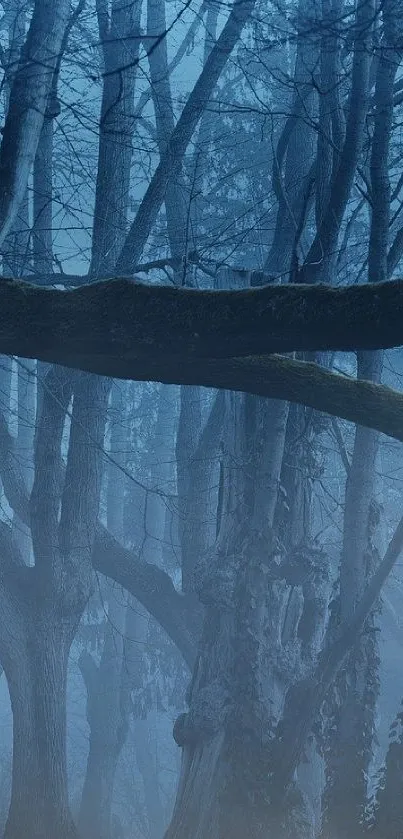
(325, 241)
(153, 588)
(171, 160)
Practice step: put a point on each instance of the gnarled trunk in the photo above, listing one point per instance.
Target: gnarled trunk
(239, 681)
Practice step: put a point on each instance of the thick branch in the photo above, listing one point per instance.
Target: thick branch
(181, 336)
(153, 588)
(120, 321)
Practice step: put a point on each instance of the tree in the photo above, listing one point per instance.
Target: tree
(42, 604)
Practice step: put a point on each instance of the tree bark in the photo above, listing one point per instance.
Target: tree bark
(100, 320)
(221, 791)
(110, 347)
(37, 683)
(108, 723)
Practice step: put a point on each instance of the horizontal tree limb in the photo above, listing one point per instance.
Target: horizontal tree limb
(124, 319)
(129, 330)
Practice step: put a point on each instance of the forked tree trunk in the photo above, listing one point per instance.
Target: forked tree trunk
(41, 606)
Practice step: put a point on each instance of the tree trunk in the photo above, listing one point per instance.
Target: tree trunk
(29, 93)
(108, 728)
(237, 686)
(37, 682)
(352, 720)
(295, 152)
(108, 720)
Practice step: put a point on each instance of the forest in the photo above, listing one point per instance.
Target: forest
(201, 419)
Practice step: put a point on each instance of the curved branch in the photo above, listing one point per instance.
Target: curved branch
(153, 588)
